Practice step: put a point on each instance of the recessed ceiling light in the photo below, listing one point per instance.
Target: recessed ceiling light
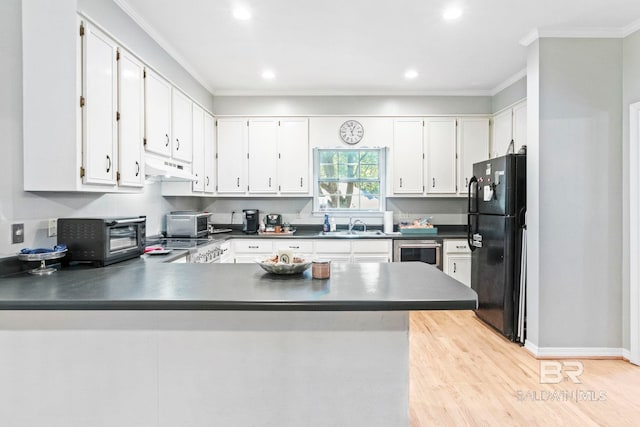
(241, 14)
(410, 74)
(268, 75)
(452, 13)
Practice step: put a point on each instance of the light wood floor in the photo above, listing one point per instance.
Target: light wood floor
(463, 373)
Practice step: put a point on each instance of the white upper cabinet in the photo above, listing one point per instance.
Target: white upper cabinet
(158, 114)
(519, 125)
(263, 155)
(209, 153)
(293, 155)
(99, 92)
(408, 156)
(473, 147)
(501, 133)
(440, 153)
(181, 126)
(131, 120)
(232, 155)
(198, 148)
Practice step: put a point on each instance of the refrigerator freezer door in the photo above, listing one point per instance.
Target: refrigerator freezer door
(492, 272)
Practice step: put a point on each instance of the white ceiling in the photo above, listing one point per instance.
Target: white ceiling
(365, 46)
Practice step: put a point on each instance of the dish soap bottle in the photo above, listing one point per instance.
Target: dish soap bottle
(332, 226)
(325, 226)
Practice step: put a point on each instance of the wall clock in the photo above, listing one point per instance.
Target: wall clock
(351, 132)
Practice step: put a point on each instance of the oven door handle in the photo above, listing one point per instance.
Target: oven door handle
(420, 246)
(126, 221)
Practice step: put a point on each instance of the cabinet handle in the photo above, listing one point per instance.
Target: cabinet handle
(454, 267)
(177, 144)
(166, 135)
(108, 163)
(207, 181)
(300, 182)
(238, 182)
(461, 247)
(466, 183)
(400, 182)
(269, 182)
(294, 247)
(434, 183)
(137, 168)
(196, 179)
(253, 247)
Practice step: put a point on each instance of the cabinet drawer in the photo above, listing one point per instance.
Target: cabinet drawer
(333, 246)
(297, 246)
(372, 246)
(456, 246)
(252, 246)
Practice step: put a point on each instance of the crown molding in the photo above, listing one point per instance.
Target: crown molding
(580, 33)
(511, 80)
(241, 92)
(164, 44)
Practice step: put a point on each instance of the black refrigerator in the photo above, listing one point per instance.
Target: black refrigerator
(496, 221)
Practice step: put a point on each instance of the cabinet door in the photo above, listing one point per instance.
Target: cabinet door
(157, 104)
(181, 126)
(293, 156)
(263, 155)
(99, 126)
(459, 267)
(131, 123)
(209, 154)
(198, 148)
(473, 147)
(520, 125)
(440, 151)
(232, 155)
(501, 133)
(408, 156)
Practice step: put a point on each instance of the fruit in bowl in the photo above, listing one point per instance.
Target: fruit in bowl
(275, 265)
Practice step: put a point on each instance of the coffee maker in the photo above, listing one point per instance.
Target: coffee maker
(250, 221)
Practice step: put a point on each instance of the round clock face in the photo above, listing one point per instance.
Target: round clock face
(351, 132)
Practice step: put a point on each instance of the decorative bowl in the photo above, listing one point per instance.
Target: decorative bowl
(282, 268)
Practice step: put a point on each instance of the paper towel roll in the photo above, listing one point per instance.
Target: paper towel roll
(388, 221)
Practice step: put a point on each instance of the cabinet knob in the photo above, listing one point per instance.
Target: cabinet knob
(108, 163)
(137, 168)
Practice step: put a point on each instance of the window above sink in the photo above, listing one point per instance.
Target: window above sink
(349, 180)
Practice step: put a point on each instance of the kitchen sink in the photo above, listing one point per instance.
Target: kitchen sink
(352, 234)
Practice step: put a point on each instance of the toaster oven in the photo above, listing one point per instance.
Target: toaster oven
(102, 241)
(187, 224)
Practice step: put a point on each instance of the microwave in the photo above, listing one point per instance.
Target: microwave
(102, 241)
(187, 224)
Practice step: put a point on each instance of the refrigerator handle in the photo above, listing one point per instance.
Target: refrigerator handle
(471, 181)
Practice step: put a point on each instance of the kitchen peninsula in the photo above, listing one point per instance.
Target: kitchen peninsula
(141, 343)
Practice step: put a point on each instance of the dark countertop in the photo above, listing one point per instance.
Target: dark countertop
(141, 285)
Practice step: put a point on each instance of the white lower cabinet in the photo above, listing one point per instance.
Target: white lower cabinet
(457, 260)
(374, 250)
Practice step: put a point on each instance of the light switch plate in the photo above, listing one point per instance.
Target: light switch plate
(53, 227)
(17, 233)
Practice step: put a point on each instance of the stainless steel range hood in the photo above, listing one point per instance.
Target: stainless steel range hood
(166, 170)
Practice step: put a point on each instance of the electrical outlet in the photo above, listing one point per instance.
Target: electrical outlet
(53, 227)
(17, 233)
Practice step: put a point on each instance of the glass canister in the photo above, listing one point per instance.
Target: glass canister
(321, 269)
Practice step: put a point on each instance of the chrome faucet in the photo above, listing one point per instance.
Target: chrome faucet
(353, 223)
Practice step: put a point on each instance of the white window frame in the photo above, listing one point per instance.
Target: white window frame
(347, 212)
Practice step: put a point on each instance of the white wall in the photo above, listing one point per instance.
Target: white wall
(580, 198)
(630, 95)
(509, 95)
(34, 209)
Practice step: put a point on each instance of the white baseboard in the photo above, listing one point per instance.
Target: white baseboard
(576, 352)
(626, 354)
